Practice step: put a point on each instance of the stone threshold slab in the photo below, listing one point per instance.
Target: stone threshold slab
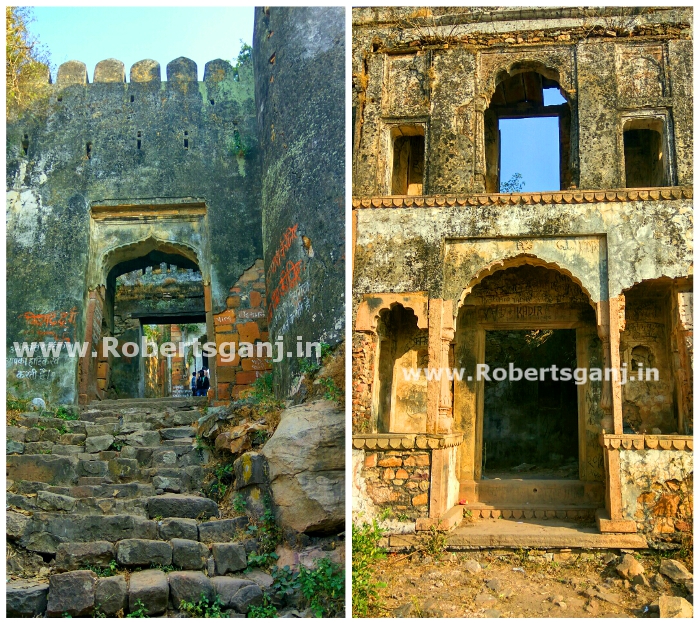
(504, 533)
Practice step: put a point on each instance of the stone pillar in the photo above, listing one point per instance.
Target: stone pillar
(87, 384)
(611, 398)
(440, 335)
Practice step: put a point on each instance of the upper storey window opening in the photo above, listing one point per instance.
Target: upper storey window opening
(645, 157)
(527, 129)
(408, 160)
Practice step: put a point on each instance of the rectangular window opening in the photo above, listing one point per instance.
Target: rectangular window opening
(644, 153)
(408, 165)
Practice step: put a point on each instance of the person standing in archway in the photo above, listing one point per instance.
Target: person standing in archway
(193, 384)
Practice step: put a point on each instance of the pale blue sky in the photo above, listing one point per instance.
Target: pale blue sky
(131, 34)
(531, 147)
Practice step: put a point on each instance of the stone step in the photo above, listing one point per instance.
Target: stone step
(44, 532)
(513, 511)
(118, 471)
(152, 404)
(81, 593)
(528, 493)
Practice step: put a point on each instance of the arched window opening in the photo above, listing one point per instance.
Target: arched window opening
(527, 127)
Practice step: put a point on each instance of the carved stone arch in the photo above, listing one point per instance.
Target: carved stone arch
(112, 257)
(369, 310)
(514, 261)
(538, 61)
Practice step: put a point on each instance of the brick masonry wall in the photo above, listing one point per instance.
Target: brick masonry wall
(243, 320)
(399, 480)
(364, 347)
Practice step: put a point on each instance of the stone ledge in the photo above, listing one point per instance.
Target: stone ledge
(561, 197)
(647, 442)
(405, 441)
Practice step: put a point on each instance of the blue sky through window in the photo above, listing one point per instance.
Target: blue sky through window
(531, 147)
(131, 34)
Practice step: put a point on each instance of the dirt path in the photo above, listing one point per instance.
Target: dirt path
(522, 584)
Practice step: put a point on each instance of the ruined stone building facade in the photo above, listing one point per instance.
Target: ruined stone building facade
(448, 273)
(175, 180)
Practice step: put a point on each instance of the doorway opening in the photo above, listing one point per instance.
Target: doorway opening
(154, 300)
(531, 426)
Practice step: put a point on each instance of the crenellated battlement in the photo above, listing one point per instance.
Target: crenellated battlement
(112, 70)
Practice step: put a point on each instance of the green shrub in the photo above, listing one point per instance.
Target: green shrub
(366, 553)
(323, 588)
(264, 611)
(203, 609)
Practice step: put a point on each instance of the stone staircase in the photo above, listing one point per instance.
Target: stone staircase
(533, 498)
(121, 483)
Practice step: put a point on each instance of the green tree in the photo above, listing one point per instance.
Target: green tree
(27, 62)
(514, 185)
(244, 56)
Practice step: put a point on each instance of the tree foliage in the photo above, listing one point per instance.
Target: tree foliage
(27, 62)
(514, 185)
(244, 56)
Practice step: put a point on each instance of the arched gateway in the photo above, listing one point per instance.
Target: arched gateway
(529, 442)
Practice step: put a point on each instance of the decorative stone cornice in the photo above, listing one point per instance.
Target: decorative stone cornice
(647, 442)
(497, 199)
(405, 441)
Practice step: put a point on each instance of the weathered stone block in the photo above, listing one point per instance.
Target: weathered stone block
(250, 469)
(306, 464)
(144, 439)
(674, 570)
(111, 595)
(229, 557)
(189, 506)
(181, 432)
(71, 593)
(98, 444)
(14, 447)
(123, 468)
(151, 588)
(26, 598)
(16, 524)
(171, 485)
(109, 70)
(674, 608)
(72, 556)
(189, 554)
(54, 470)
(178, 528)
(144, 552)
(182, 70)
(72, 72)
(189, 586)
(55, 502)
(93, 468)
(246, 597)
(145, 71)
(222, 530)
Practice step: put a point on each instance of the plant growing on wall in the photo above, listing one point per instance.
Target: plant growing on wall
(27, 62)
